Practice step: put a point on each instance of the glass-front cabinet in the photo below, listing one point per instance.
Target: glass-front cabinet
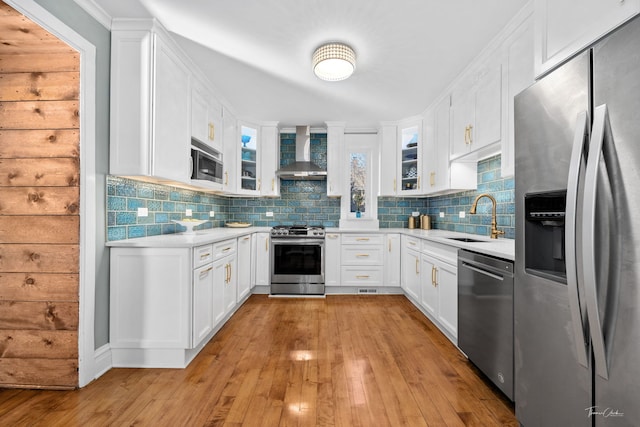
(249, 159)
(410, 158)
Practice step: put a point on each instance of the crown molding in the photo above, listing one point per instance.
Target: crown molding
(96, 11)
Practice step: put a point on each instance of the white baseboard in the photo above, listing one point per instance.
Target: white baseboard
(102, 361)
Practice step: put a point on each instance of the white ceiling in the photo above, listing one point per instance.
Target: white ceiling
(257, 53)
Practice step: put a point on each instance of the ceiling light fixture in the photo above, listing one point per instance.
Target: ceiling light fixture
(334, 62)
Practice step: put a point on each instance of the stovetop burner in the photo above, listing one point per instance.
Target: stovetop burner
(300, 230)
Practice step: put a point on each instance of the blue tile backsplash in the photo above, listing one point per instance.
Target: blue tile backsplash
(300, 202)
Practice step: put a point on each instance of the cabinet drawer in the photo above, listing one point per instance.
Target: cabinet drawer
(202, 255)
(411, 242)
(222, 249)
(362, 239)
(358, 276)
(362, 255)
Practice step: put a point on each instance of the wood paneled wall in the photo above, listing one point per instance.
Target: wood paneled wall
(39, 206)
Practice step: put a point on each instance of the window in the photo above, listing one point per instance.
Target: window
(359, 207)
(358, 182)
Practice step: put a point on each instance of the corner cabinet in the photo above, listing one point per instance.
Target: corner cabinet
(409, 158)
(392, 264)
(248, 164)
(252, 156)
(150, 104)
(410, 257)
(564, 27)
(401, 163)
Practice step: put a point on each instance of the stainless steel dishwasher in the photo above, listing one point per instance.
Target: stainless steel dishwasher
(485, 316)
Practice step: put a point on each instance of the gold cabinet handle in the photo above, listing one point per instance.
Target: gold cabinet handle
(395, 182)
(432, 179)
(266, 245)
(230, 267)
(259, 184)
(389, 245)
(226, 178)
(362, 239)
(470, 134)
(362, 276)
(273, 184)
(418, 183)
(226, 249)
(332, 236)
(412, 243)
(212, 131)
(362, 255)
(226, 273)
(205, 256)
(203, 273)
(417, 261)
(247, 238)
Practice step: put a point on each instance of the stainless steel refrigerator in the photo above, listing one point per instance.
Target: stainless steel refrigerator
(577, 268)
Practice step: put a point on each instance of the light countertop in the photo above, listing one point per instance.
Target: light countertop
(501, 248)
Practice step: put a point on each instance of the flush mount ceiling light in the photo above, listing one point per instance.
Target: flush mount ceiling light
(334, 62)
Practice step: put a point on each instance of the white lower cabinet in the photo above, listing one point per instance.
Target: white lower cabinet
(166, 303)
(262, 259)
(410, 275)
(392, 260)
(203, 295)
(361, 260)
(244, 274)
(332, 264)
(439, 285)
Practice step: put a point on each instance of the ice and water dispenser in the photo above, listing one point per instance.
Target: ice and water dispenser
(544, 234)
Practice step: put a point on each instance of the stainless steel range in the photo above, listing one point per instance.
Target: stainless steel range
(297, 260)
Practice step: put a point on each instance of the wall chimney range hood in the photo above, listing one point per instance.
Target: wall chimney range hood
(302, 168)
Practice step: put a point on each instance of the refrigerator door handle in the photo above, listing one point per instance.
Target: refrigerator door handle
(576, 168)
(601, 152)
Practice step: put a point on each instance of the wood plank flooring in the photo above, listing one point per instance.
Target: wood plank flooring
(339, 361)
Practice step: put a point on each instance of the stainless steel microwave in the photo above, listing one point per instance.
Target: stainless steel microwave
(206, 163)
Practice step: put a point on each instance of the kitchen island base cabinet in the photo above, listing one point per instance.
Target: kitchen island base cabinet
(167, 303)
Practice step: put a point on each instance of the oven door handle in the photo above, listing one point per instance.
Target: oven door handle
(286, 241)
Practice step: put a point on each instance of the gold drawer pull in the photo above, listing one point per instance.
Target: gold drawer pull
(362, 276)
(205, 256)
(226, 249)
(362, 239)
(362, 255)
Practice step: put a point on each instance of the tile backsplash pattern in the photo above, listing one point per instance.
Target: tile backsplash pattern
(489, 181)
(164, 203)
(300, 202)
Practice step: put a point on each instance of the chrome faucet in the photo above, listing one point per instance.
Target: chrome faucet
(494, 229)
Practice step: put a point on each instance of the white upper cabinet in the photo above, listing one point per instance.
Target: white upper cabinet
(564, 27)
(409, 158)
(388, 135)
(248, 163)
(206, 116)
(270, 159)
(441, 175)
(476, 110)
(150, 104)
(519, 74)
(335, 158)
(231, 152)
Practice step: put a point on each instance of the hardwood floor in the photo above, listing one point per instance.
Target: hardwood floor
(339, 361)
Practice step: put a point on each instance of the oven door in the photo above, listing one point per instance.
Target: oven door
(297, 261)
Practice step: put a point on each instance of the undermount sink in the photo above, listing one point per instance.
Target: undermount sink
(466, 240)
